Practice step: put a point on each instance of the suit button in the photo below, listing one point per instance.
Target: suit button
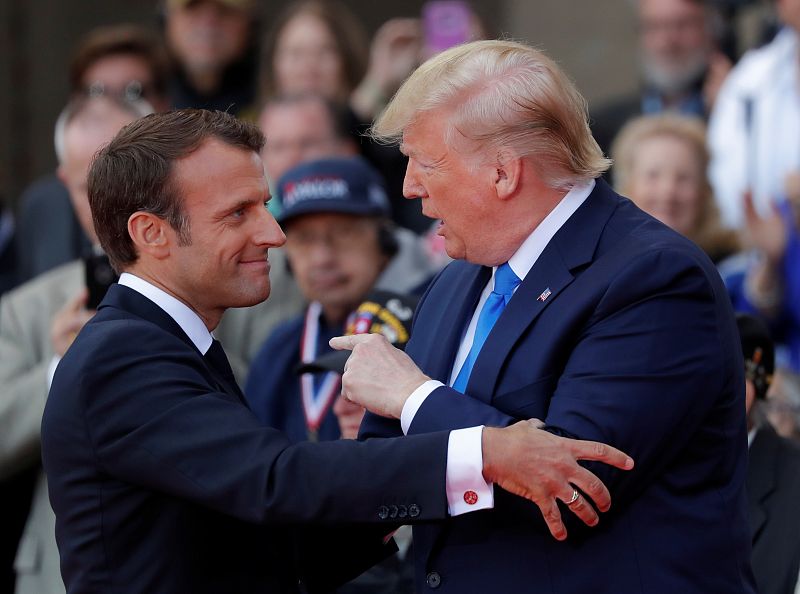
(413, 510)
(433, 579)
(383, 512)
(393, 511)
(402, 511)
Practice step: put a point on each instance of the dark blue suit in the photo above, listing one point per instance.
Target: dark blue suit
(635, 346)
(162, 479)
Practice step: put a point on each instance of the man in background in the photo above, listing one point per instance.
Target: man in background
(213, 44)
(339, 242)
(681, 65)
(773, 470)
(125, 62)
(38, 321)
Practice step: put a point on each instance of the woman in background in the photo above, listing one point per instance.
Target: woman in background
(660, 163)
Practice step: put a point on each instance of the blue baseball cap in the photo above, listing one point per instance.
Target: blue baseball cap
(344, 185)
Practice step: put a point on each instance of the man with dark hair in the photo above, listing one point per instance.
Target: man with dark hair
(159, 474)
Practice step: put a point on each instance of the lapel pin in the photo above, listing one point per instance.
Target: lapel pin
(545, 294)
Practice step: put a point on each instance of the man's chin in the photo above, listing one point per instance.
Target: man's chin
(253, 296)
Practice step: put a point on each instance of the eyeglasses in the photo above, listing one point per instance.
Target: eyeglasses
(132, 91)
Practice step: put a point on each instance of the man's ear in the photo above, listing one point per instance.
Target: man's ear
(507, 174)
(150, 234)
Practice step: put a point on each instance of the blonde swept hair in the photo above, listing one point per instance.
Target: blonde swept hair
(504, 96)
(708, 232)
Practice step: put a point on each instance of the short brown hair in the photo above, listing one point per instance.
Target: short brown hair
(114, 40)
(133, 173)
(347, 31)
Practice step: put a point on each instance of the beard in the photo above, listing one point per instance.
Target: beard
(676, 76)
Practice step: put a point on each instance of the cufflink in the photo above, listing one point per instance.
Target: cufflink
(470, 497)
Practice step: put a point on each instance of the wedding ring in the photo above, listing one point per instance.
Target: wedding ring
(575, 496)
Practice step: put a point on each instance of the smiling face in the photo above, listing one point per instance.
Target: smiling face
(666, 181)
(225, 263)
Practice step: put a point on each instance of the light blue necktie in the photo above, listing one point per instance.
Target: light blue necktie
(505, 281)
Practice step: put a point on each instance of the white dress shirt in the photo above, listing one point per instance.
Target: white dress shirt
(521, 263)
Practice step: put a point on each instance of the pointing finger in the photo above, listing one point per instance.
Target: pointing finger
(348, 343)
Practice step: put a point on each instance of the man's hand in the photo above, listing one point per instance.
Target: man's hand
(68, 322)
(542, 467)
(377, 375)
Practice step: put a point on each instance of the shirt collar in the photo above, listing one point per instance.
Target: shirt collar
(183, 315)
(530, 250)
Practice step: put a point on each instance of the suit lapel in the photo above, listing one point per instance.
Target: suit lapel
(126, 299)
(571, 248)
(438, 344)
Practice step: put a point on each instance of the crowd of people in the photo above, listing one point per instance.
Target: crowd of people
(708, 147)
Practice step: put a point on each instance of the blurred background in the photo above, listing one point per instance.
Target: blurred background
(594, 41)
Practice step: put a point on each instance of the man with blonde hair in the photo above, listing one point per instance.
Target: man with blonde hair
(568, 304)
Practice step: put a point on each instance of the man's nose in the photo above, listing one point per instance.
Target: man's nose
(411, 186)
(269, 233)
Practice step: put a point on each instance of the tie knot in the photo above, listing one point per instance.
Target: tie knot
(505, 281)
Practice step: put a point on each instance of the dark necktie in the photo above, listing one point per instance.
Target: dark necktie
(505, 281)
(218, 360)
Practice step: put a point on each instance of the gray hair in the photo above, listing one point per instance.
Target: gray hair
(77, 107)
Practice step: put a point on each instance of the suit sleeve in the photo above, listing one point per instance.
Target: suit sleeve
(154, 421)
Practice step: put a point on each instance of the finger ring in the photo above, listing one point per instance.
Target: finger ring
(575, 496)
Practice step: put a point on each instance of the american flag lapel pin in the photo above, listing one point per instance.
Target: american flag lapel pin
(545, 294)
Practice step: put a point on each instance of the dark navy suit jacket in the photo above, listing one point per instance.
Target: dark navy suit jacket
(162, 479)
(634, 346)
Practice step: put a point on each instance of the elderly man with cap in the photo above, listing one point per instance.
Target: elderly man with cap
(338, 244)
(773, 471)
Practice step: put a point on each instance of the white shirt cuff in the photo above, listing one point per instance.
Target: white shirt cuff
(51, 370)
(467, 490)
(414, 401)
